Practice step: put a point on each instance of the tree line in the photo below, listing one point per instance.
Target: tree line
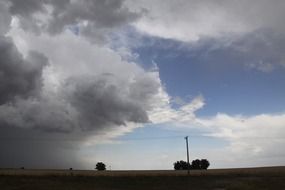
(197, 164)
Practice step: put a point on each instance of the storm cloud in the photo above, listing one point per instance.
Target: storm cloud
(91, 18)
(19, 77)
(103, 102)
(58, 89)
(90, 99)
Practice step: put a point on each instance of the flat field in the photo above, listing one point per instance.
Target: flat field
(216, 179)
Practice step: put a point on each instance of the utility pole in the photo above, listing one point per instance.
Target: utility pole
(188, 164)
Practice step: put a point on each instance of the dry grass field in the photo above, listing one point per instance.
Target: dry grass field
(216, 179)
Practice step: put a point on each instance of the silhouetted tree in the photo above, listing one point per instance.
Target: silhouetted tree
(181, 165)
(196, 164)
(205, 164)
(100, 166)
(176, 165)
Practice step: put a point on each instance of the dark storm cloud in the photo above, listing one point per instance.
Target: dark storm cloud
(94, 18)
(47, 131)
(84, 104)
(103, 14)
(90, 103)
(42, 125)
(103, 102)
(26, 8)
(19, 77)
(5, 18)
(42, 114)
(20, 103)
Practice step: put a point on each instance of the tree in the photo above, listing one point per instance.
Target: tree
(181, 165)
(177, 165)
(205, 164)
(100, 166)
(196, 164)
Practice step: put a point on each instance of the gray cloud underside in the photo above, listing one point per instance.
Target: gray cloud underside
(21, 80)
(19, 77)
(103, 102)
(261, 50)
(93, 18)
(85, 104)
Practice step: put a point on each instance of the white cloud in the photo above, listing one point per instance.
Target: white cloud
(262, 66)
(164, 113)
(193, 20)
(254, 136)
(252, 140)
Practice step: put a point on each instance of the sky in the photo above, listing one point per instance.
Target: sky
(123, 82)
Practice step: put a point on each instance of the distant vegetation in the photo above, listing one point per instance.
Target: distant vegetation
(197, 164)
(100, 166)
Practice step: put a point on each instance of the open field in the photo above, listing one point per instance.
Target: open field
(216, 179)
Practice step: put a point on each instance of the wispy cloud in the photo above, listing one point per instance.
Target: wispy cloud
(250, 137)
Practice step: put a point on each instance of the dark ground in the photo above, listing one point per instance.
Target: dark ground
(219, 181)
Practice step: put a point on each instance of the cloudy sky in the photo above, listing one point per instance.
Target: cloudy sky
(124, 81)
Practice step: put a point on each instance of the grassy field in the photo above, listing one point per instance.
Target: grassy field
(219, 179)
